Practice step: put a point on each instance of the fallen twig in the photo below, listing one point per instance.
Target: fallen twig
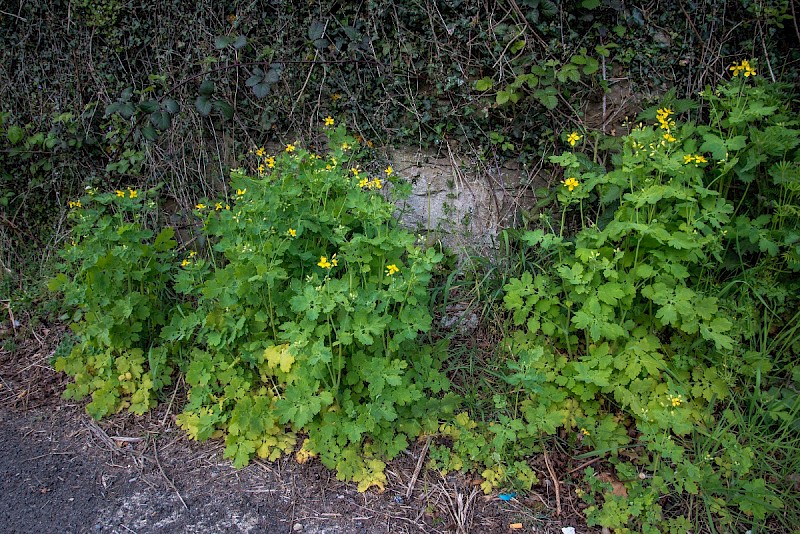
(420, 461)
(555, 482)
(169, 482)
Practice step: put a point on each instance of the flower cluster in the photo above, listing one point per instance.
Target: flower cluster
(666, 123)
(697, 158)
(187, 261)
(377, 183)
(392, 269)
(132, 193)
(74, 204)
(744, 68)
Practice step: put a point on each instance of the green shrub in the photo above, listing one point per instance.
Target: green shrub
(301, 313)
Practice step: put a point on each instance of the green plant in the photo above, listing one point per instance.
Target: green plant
(117, 277)
(301, 314)
(624, 332)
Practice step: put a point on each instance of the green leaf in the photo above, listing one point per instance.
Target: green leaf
(610, 293)
(240, 42)
(149, 106)
(206, 88)
(225, 109)
(222, 41)
(316, 30)
(149, 133)
(484, 84)
(502, 97)
(203, 106)
(161, 120)
(171, 106)
(279, 356)
(15, 134)
(260, 90)
(547, 97)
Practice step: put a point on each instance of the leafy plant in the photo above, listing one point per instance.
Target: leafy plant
(117, 276)
(626, 334)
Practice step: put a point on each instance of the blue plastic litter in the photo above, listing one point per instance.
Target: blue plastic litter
(507, 496)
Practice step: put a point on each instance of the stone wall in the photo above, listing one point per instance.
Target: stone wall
(459, 201)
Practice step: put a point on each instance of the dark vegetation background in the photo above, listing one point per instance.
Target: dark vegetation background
(113, 93)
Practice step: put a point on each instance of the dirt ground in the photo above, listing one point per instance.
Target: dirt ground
(62, 472)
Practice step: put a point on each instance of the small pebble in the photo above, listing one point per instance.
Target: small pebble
(297, 527)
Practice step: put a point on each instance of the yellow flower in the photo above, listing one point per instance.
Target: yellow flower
(355, 171)
(336, 96)
(324, 263)
(271, 161)
(76, 204)
(241, 192)
(231, 19)
(744, 67)
(291, 232)
(573, 138)
(334, 261)
(345, 146)
(364, 182)
(571, 183)
(120, 193)
(392, 269)
(200, 206)
(688, 158)
(584, 432)
(389, 170)
(700, 159)
(133, 193)
(218, 206)
(662, 116)
(676, 401)
(260, 152)
(668, 137)
(192, 253)
(290, 148)
(329, 121)
(261, 169)
(377, 183)
(185, 262)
